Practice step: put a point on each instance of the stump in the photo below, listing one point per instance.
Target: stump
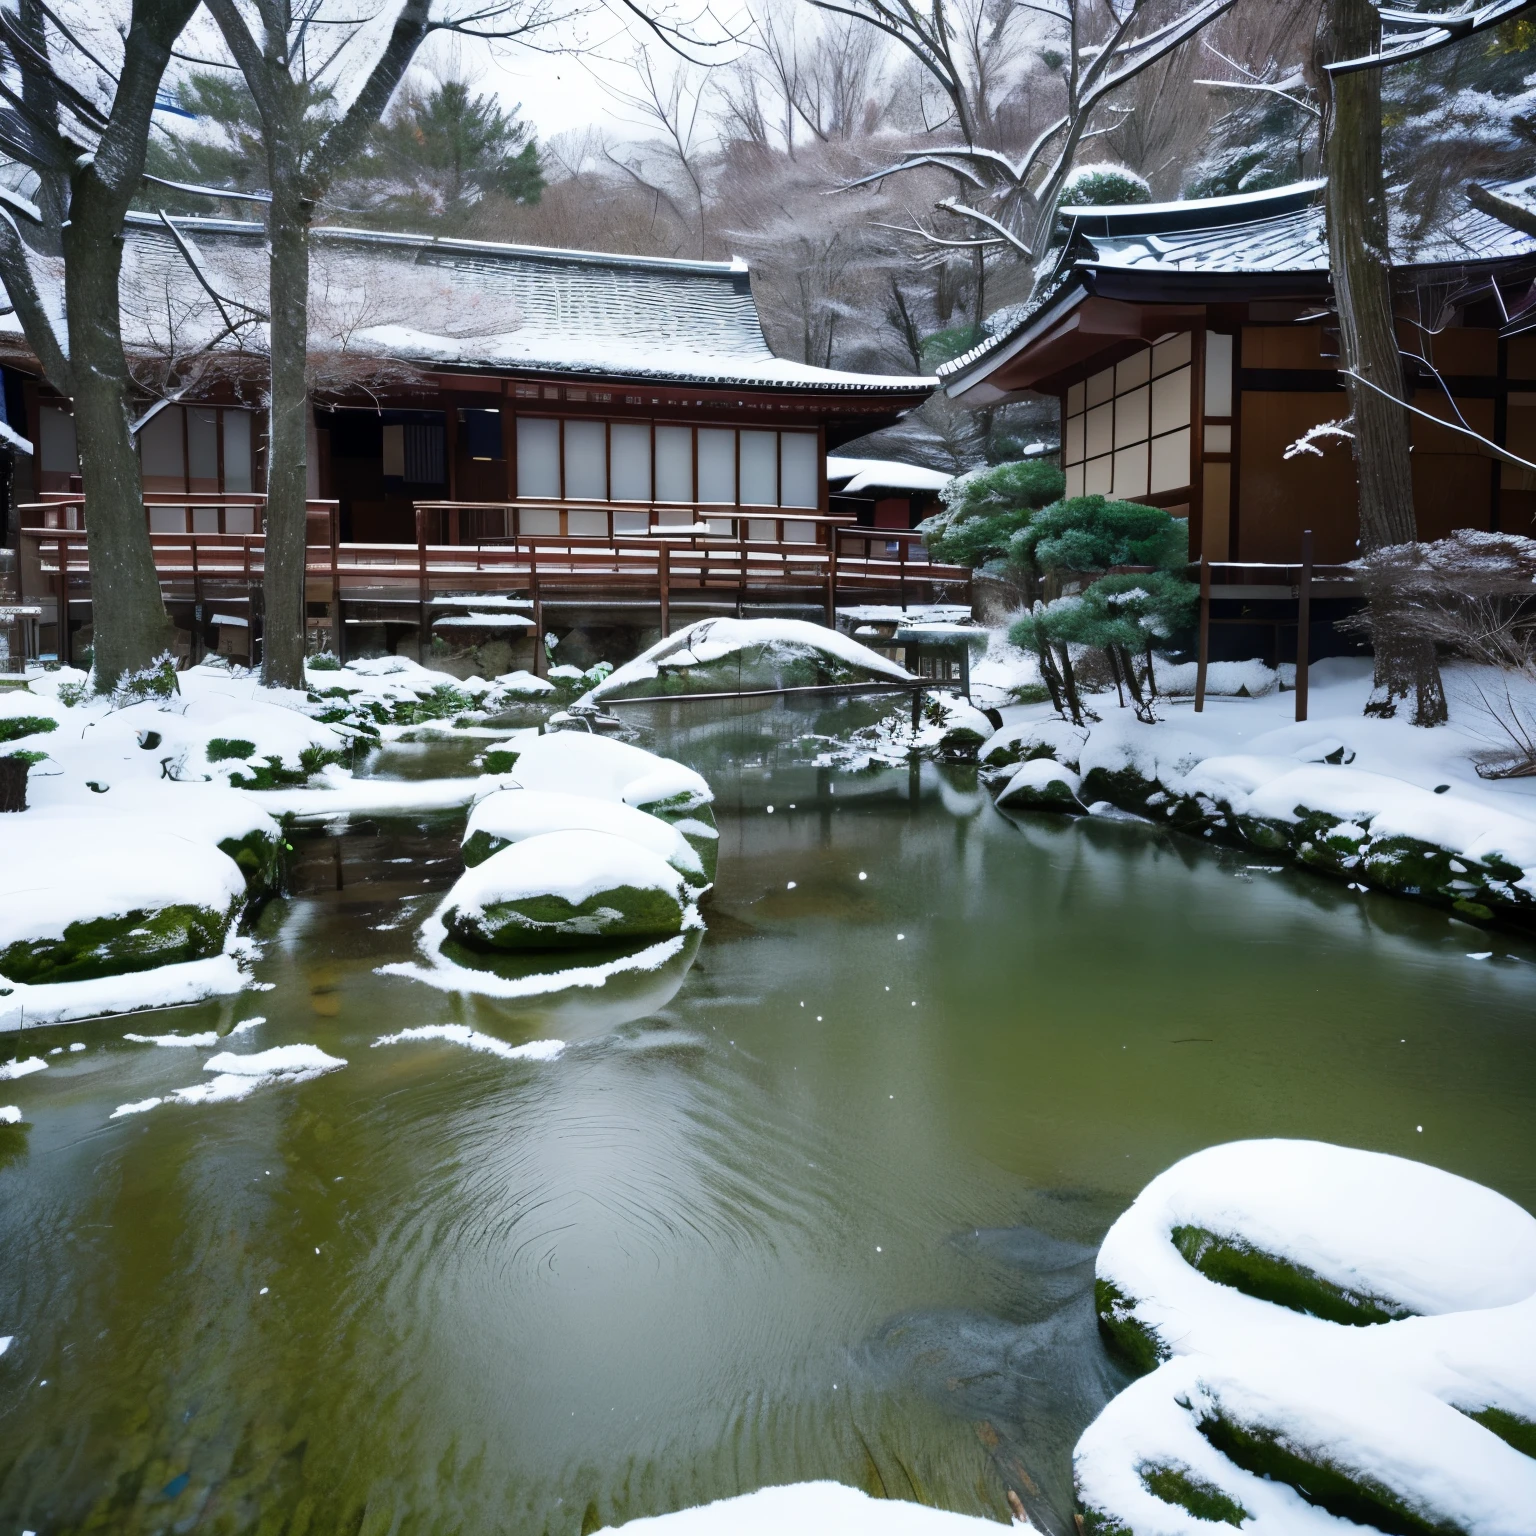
(13, 783)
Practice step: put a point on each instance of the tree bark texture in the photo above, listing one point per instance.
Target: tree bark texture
(131, 627)
(1360, 261)
(288, 441)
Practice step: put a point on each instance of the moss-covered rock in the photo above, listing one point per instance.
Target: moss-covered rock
(566, 890)
(703, 834)
(1178, 1485)
(1230, 1261)
(1041, 784)
(110, 946)
(260, 857)
(1125, 1335)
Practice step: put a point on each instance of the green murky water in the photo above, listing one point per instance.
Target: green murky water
(820, 1204)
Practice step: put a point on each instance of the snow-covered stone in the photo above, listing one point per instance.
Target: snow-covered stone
(580, 763)
(1041, 785)
(1318, 1317)
(808, 1509)
(726, 654)
(564, 890)
(512, 815)
(101, 895)
(1025, 739)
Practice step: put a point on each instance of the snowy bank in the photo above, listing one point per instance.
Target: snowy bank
(1316, 1319)
(724, 655)
(579, 763)
(1376, 802)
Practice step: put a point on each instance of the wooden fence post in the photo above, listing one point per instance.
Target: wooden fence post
(338, 632)
(421, 584)
(1303, 624)
(538, 611)
(1205, 633)
(194, 650)
(664, 585)
(61, 644)
(832, 578)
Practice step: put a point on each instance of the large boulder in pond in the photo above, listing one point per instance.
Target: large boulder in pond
(567, 890)
(103, 895)
(580, 763)
(514, 815)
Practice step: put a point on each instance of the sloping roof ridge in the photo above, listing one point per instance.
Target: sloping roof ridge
(195, 224)
(1192, 213)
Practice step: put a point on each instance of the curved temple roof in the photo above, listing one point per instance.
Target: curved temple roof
(1266, 236)
(452, 304)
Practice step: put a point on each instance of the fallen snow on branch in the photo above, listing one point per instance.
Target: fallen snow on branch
(1308, 441)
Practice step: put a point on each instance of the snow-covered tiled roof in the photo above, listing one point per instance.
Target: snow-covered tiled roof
(469, 304)
(1273, 233)
(861, 475)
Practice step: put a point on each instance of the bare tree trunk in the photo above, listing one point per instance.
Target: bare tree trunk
(1360, 260)
(287, 460)
(130, 627)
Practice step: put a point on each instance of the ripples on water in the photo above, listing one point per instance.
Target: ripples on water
(822, 1205)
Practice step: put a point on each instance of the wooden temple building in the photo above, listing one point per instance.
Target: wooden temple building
(1191, 344)
(486, 418)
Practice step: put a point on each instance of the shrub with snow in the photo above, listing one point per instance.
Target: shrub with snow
(566, 890)
(1334, 1340)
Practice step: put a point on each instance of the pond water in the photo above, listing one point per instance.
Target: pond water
(821, 1203)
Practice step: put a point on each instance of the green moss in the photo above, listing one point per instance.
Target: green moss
(17, 726)
(260, 858)
(1030, 693)
(1095, 1522)
(274, 773)
(1129, 1339)
(324, 662)
(498, 760)
(222, 748)
(707, 848)
(1231, 1262)
(113, 946)
(552, 922)
(479, 846)
(1177, 1485)
(961, 744)
(1056, 795)
(1320, 1480)
(1509, 1427)
(31, 759)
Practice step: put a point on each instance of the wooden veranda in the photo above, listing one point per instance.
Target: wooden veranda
(497, 550)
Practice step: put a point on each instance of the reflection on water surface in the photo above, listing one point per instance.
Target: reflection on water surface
(822, 1205)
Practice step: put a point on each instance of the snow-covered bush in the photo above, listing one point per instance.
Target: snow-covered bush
(1104, 186)
(984, 509)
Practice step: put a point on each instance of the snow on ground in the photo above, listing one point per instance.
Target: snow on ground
(1246, 757)
(778, 641)
(238, 1077)
(1420, 1297)
(807, 1509)
(475, 1040)
(10, 1114)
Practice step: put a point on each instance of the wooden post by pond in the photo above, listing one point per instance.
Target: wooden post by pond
(538, 611)
(1205, 633)
(1303, 624)
(338, 634)
(664, 585)
(61, 645)
(832, 578)
(421, 583)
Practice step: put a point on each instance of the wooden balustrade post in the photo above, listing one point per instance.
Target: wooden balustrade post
(194, 650)
(1303, 624)
(61, 643)
(664, 583)
(832, 578)
(538, 611)
(338, 630)
(1205, 633)
(901, 569)
(421, 584)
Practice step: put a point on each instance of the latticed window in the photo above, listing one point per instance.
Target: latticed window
(1126, 431)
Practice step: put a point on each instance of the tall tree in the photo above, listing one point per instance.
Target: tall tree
(439, 152)
(82, 124)
(1360, 262)
(1103, 47)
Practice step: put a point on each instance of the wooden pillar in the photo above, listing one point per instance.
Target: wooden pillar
(538, 612)
(194, 651)
(338, 632)
(61, 641)
(831, 576)
(451, 446)
(421, 583)
(664, 583)
(1205, 633)
(1303, 624)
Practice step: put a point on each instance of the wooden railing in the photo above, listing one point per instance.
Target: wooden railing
(1243, 581)
(226, 569)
